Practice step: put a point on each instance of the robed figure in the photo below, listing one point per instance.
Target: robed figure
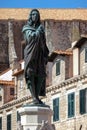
(35, 56)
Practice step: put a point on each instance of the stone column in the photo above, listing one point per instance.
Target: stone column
(4, 120)
(75, 31)
(11, 47)
(76, 62)
(48, 33)
(33, 116)
(14, 119)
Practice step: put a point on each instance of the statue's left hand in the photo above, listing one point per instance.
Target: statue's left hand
(33, 34)
(41, 29)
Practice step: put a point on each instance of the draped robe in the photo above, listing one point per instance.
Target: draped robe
(35, 54)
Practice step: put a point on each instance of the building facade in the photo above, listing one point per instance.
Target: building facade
(66, 91)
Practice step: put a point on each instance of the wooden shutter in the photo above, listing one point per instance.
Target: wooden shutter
(71, 105)
(85, 54)
(56, 109)
(9, 122)
(82, 101)
(18, 116)
(11, 91)
(57, 67)
(0, 123)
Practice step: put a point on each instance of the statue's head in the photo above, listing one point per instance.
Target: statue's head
(34, 17)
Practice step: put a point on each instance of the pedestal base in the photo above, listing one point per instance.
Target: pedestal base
(33, 116)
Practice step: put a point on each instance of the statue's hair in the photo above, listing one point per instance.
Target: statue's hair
(30, 22)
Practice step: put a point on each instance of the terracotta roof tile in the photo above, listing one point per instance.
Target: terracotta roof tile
(61, 52)
(18, 72)
(5, 71)
(57, 14)
(4, 82)
(58, 52)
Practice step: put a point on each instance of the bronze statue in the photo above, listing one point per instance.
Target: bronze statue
(35, 56)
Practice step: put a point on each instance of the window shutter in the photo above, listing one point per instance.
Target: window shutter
(9, 122)
(82, 101)
(71, 105)
(11, 91)
(56, 109)
(22, 50)
(18, 116)
(57, 67)
(0, 98)
(85, 54)
(0, 123)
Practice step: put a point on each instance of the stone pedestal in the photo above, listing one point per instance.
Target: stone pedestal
(33, 116)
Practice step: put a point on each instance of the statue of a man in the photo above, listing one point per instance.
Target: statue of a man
(35, 56)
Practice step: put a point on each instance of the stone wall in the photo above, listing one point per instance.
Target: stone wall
(61, 77)
(7, 94)
(5, 38)
(3, 45)
(1, 95)
(59, 36)
(83, 64)
(64, 123)
(22, 90)
(68, 66)
(18, 37)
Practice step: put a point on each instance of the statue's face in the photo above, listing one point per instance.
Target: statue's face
(34, 16)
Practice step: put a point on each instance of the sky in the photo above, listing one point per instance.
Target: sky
(43, 3)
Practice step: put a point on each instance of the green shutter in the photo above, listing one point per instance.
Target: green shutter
(82, 101)
(85, 54)
(0, 123)
(56, 109)
(57, 67)
(71, 105)
(9, 122)
(18, 116)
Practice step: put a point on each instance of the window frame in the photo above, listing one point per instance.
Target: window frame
(58, 64)
(9, 125)
(0, 123)
(86, 55)
(82, 95)
(12, 91)
(18, 116)
(0, 98)
(57, 107)
(70, 104)
(22, 50)
(21, 83)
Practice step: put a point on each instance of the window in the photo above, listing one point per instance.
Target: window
(18, 116)
(71, 105)
(85, 54)
(83, 101)
(22, 50)
(21, 83)
(56, 109)
(0, 88)
(11, 91)
(58, 68)
(0, 98)
(0, 123)
(9, 122)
